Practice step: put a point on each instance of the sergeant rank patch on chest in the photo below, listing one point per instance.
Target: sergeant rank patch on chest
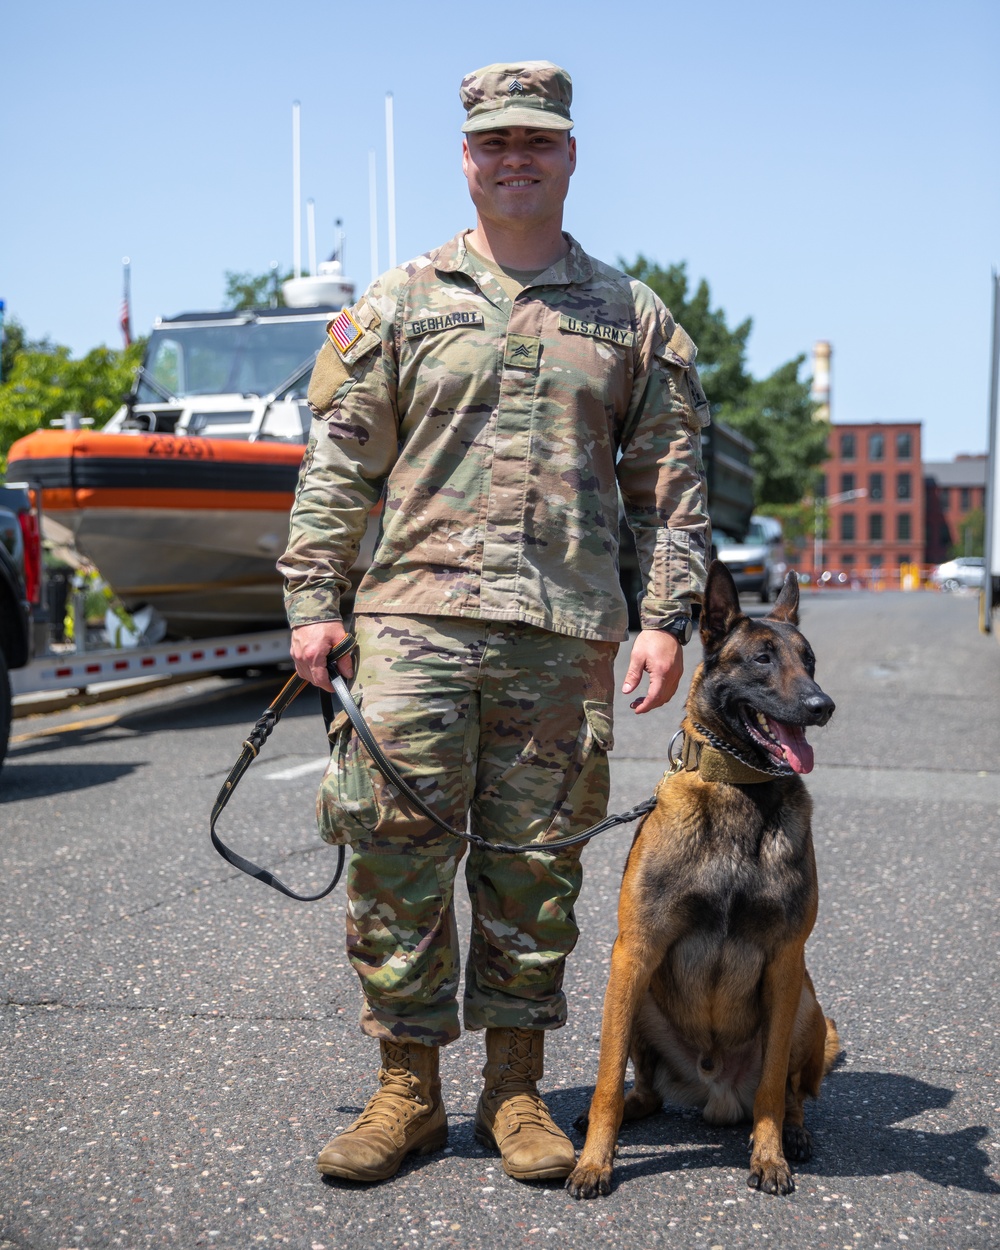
(444, 321)
(597, 330)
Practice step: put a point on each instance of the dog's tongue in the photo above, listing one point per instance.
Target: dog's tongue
(797, 752)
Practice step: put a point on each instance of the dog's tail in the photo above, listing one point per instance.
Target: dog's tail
(831, 1048)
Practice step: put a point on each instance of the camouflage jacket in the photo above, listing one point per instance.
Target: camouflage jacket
(501, 433)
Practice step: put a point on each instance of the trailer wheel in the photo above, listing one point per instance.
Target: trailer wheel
(6, 710)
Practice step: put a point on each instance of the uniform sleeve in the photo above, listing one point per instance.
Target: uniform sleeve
(661, 474)
(352, 447)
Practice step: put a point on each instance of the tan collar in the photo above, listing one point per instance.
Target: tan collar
(712, 764)
(575, 266)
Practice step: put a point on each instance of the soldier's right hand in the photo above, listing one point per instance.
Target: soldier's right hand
(311, 644)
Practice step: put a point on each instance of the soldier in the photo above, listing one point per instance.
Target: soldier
(496, 394)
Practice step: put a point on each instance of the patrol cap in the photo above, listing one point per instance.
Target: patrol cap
(522, 93)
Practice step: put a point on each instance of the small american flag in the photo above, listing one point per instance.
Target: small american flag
(344, 331)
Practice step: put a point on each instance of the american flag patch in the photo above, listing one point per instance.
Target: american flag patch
(344, 331)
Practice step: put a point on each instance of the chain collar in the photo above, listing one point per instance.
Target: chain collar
(771, 770)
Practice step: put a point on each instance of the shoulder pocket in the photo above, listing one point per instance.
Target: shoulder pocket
(351, 337)
(678, 354)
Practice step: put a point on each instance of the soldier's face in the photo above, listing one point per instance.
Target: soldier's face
(518, 176)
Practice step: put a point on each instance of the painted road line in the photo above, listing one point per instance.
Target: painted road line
(300, 770)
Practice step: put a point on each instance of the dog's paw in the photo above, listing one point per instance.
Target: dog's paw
(770, 1176)
(796, 1142)
(589, 1180)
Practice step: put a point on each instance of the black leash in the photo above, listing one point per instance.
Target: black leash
(252, 745)
(263, 729)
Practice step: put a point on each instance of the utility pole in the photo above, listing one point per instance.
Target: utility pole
(829, 501)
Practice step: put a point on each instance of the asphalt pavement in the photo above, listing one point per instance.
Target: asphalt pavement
(177, 1041)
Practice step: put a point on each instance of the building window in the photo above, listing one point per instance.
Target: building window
(876, 447)
(846, 482)
(903, 528)
(966, 503)
(904, 446)
(847, 446)
(903, 486)
(847, 527)
(874, 485)
(875, 562)
(903, 560)
(944, 497)
(847, 559)
(875, 527)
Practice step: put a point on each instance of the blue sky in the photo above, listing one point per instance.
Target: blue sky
(831, 170)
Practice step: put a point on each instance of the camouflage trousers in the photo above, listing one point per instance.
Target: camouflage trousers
(501, 728)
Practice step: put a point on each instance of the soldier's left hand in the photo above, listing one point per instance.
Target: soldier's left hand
(661, 656)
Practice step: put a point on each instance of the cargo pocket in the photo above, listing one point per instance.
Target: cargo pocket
(346, 807)
(583, 798)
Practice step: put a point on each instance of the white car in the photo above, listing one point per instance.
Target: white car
(964, 572)
(758, 563)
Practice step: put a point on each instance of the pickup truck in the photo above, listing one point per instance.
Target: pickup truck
(20, 591)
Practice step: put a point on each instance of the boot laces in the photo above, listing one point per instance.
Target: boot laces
(398, 1095)
(517, 1091)
(519, 1059)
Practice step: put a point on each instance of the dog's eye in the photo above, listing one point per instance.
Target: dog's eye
(764, 657)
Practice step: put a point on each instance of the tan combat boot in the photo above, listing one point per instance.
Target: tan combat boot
(511, 1115)
(404, 1115)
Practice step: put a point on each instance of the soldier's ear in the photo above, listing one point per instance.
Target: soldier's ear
(721, 611)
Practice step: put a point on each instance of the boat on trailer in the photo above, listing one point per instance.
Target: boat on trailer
(182, 500)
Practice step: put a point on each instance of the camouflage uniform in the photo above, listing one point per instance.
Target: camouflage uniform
(496, 429)
(510, 725)
(500, 432)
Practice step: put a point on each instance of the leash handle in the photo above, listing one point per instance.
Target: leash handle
(252, 745)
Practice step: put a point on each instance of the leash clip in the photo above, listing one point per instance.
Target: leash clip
(676, 763)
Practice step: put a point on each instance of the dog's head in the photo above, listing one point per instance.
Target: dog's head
(755, 687)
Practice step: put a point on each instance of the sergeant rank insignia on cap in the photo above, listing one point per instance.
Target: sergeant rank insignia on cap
(344, 332)
(515, 87)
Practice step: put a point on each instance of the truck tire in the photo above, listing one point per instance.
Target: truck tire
(6, 710)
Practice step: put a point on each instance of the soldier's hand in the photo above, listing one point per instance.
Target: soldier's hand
(661, 656)
(311, 644)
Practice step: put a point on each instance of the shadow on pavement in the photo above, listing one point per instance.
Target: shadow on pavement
(856, 1132)
(237, 705)
(34, 781)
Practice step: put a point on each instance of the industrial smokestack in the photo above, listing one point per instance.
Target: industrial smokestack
(820, 394)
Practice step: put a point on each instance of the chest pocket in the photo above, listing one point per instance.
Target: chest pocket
(594, 358)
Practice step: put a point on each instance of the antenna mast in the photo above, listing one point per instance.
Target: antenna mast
(296, 189)
(373, 213)
(390, 161)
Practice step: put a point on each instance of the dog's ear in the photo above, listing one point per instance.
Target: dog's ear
(721, 610)
(786, 606)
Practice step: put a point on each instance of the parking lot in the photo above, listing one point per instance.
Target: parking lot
(178, 1041)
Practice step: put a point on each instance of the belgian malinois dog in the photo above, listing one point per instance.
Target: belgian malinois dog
(708, 992)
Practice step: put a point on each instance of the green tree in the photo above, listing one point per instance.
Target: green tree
(255, 290)
(15, 341)
(971, 534)
(775, 412)
(43, 384)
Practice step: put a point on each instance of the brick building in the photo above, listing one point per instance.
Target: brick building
(953, 489)
(885, 528)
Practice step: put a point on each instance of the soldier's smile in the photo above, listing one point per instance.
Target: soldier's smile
(519, 174)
